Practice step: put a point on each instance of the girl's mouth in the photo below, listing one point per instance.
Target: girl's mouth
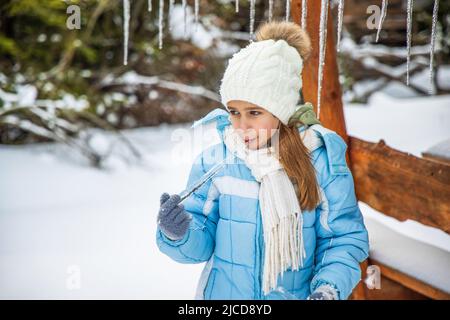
(248, 140)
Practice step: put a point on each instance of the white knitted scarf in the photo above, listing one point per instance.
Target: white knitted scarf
(280, 210)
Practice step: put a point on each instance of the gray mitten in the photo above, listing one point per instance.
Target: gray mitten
(324, 292)
(172, 218)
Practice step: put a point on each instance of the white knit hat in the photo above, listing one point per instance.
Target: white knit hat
(266, 73)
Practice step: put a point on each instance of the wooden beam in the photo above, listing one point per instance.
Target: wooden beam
(401, 185)
(331, 109)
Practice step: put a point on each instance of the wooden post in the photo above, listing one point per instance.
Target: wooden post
(331, 109)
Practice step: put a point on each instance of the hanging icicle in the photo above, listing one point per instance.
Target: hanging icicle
(384, 6)
(270, 10)
(288, 9)
(322, 49)
(149, 5)
(237, 6)
(171, 5)
(304, 13)
(197, 5)
(126, 24)
(160, 23)
(432, 42)
(340, 22)
(184, 4)
(409, 10)
(252, 18)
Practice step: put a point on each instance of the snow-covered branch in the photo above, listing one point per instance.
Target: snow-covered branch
(132, 79)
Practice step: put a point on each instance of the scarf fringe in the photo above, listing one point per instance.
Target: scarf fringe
(283, 228)
(284, 249)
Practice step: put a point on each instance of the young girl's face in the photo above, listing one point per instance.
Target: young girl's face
(254, 124)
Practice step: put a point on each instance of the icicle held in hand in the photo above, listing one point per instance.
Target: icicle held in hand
(322, 49)
(237, 6)
(126, 24)
(149, 5)
(409, 10)
(432, 42)
(383, 15)
(340, 21)
(203, 179)
(160, 23)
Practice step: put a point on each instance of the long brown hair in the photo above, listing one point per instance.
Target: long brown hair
(294, 156)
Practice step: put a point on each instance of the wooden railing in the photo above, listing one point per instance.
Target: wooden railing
(401, 185)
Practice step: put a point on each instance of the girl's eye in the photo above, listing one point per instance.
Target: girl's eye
(255, 113)
(234, 113)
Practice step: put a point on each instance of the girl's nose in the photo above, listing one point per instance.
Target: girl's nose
(244, 125)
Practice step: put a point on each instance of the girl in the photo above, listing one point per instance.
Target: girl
(281, 216)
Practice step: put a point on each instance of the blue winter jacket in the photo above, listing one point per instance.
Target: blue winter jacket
(226, 230)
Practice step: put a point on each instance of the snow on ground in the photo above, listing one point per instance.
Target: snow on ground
(71, 231)
(59, 220)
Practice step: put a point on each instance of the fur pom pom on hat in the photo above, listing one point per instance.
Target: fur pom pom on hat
(268, 71)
